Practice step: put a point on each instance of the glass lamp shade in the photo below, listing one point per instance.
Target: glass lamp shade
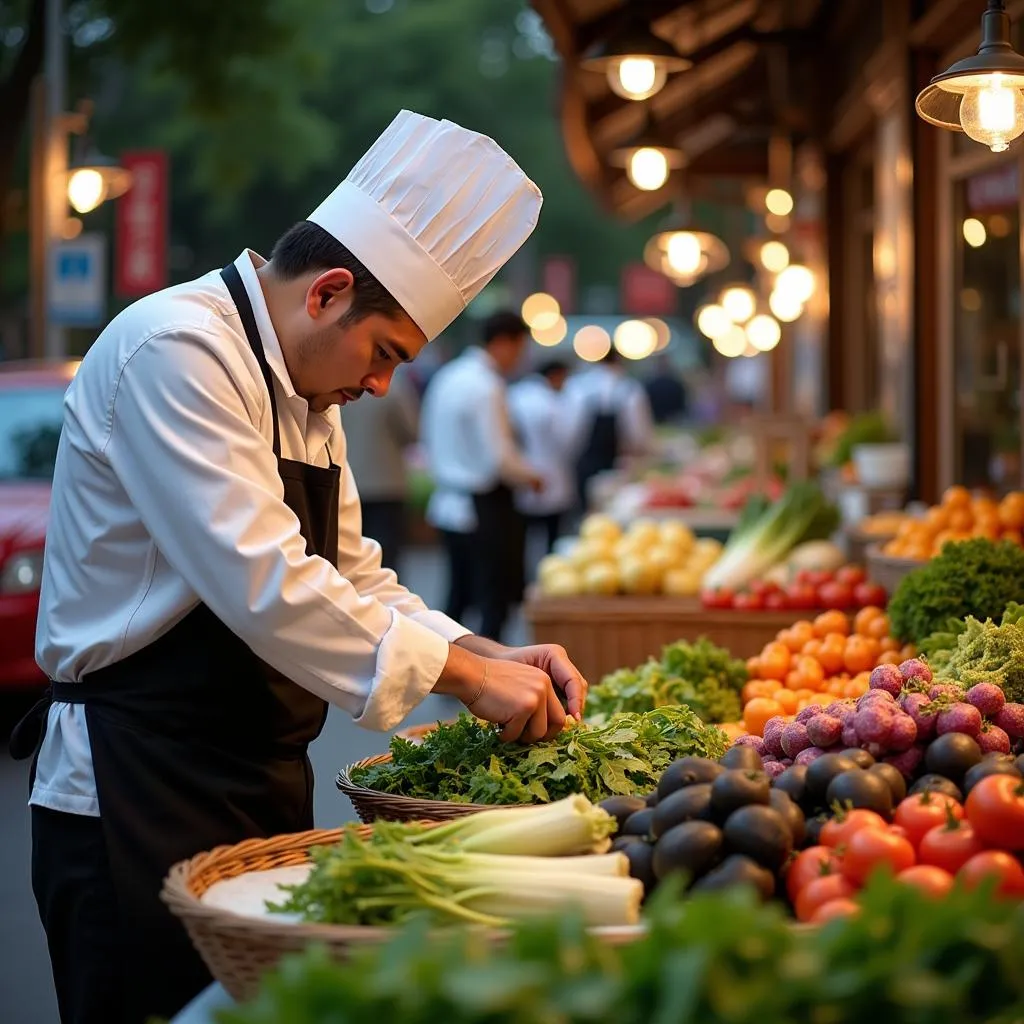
(684, 254)
(636, 62)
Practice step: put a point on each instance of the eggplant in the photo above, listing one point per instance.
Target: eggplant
(620, 843)
(693, 849)
(651, 800)
(641, 864)
(862, 758)
(639, 823)
(952, 755)
(687, 804)
(859, 788)
(687, 771)
(893, 777)
(938, 784)
(793, 781)
(742, 756)
(760, 833)
(985, 768)
(736, 788)
(791, 813)
(820, 774)
(814, 827)
(738, 870)
(621, 807)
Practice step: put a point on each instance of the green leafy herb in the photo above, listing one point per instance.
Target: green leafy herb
(987, 652)
(466, 762)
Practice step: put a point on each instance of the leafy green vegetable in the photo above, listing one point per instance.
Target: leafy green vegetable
(761, 541)
(717, 958)
(973, 577)
(466, 762)
(989, 653)
(700, 675)
(866, 428)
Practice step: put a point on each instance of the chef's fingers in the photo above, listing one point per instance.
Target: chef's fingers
(556, 715)
(568, 679)
(537, 724)
(513, 728)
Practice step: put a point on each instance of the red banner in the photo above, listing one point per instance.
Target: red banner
(645, 292)
(141, 240)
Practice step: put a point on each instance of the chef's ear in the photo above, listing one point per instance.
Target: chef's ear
(331, 292)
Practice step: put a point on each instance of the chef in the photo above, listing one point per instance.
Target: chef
(206, 589)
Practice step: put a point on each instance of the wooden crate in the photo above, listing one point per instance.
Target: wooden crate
(603, 634)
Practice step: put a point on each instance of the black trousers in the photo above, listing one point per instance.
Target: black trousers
(384, 522)
(551, 526)
(75, 894)
(459, 548)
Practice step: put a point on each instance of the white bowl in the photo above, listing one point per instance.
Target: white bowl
(882, 465)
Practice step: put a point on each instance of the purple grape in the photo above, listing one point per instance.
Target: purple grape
(907, 762)
(959, 717)
(903, 733)
(773, 769)
(773, 735)
(916, 670)
(945, 690)
(887, 678)
(874, 723)
(883, 697)
(751, 741)
(808, 755)
(920, 709)
(795, 738)
(824, 730)
(849, 737)
(806, 714)
(986, 697)
(786, 762)
(994, 740)
(1010, 718)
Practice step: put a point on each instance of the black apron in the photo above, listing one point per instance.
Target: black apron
(602, 447)
(196, 743)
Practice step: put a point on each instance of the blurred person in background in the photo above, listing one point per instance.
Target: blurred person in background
(613, 419)
(666, 392)
(548, 436)
(477, 464)
(378, 434)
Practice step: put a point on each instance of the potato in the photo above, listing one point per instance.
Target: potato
(562, 583)
(600, 527)
(550, 564)
(587, 552)
(601, 578)
(644, 533)
(682, 582)
(637, 576)
(677, 534)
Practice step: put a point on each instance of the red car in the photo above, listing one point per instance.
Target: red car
(31, 414)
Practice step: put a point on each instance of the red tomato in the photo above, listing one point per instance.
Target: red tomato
(843, 907)
(873, 849)
(836, 595)
(814, 862)
(998, 864)
(801, 596)
(995, 807)
(719, 598)
(838, 831)
(776, 601)
(868, 595)
(851, 575)
(820, 891)
(803, 576)
(949, 848)
(932, 881)
(921, 813)
(763, 588)
(819, 577)
(748, 602)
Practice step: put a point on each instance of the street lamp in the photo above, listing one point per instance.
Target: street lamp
(636, 62)
(982, 95)
(648, 159)
(94, 179)
(684, 253)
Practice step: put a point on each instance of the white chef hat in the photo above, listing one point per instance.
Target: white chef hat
(433, 211)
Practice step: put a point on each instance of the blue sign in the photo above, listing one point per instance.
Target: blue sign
(78, 271)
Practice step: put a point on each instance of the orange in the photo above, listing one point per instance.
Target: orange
(834, 687)
(854, 689)
(937, 517)
(802, 631)
(814, 696)
(757, 688)
(879, 629)
(775, 660)
(983, 506)
(810, 671)
(831, 622)
(754, 668)
(794, 680)
(793, 640)
(788, 699)
(890, 658)
(961, 520)
(832, 655)
(957, 497)
(1014, 536)
(1011, 511)
(858, 656)
(757, 712)
(734, 730)
(864, 618)
(908, 651)
(812, 648)
(990, 532)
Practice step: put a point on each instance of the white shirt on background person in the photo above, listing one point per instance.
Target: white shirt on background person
(601, 388)
(167, 494)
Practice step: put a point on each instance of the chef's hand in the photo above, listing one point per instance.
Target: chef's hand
(550, 658)
(517, 696)
(536, 483)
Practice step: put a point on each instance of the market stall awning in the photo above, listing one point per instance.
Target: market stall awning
(745, 84)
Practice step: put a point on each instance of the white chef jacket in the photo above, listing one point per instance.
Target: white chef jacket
(549, 433)
(601, 388)
(167, 494)
(468, 440)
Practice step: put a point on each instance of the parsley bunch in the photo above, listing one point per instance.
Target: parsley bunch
(466, 762)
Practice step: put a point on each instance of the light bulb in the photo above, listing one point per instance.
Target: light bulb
(637, 78)
(635, 339)
(774, 256)
(992, 111)
(739, 303)
(592, 343)
(785, 307)
(551, 334)
(796, 280)
(683, 252)
(713, 321)
(648, 169)
(540, 310)
(764, 332)
(974, 232)
(779, 202)
(85, 189)
(732, 343)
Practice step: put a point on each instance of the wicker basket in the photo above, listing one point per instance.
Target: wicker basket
(372, 805)
(238, 949)
(889, 571)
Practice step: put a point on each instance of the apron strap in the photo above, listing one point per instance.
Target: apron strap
(236, 289)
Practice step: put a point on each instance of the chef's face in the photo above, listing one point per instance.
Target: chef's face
(341, 357)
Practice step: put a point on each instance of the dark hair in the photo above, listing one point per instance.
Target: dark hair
(308, 247)
(552, 366)
(504, 324)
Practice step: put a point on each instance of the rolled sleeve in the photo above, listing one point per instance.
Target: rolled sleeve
(439, 623)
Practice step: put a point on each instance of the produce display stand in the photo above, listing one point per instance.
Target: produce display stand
(603, 634)
(887, 570)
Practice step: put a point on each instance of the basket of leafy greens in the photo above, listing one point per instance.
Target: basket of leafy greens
(983, 651)
(463, 766)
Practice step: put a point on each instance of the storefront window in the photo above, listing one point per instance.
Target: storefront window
(987, 302)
